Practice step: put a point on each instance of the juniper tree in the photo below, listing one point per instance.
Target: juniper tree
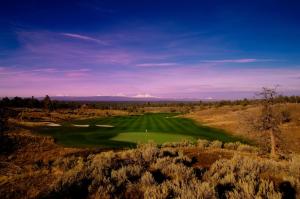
(48, 106)
(268, 121)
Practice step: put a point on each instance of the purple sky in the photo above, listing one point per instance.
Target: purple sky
(132, 57)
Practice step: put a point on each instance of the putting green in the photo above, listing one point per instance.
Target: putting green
(142, 137)
(127, 131)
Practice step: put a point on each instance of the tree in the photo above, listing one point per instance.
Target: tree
(7, 143)
(47, 103)
(268, 121)
(3, 121)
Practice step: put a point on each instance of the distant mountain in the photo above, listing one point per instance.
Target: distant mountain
(113, 99)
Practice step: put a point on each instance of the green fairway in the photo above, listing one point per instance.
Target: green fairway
(127, 131)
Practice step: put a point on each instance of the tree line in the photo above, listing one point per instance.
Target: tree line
(47, 103)
(32, 102)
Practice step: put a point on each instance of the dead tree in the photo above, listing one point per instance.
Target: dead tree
(268, 121)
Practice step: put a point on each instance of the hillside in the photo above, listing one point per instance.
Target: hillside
(234, 119)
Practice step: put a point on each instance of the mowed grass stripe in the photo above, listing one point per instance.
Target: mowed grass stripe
(127, 122)
(116, 121)
(161, 123)
(151, 125)
(170, 125)
(180, 128)
(136, 125)
(144, 123)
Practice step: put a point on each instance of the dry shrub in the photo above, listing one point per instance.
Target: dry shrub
(157, 192)
(247, 148)
(265, 189)
(202, 143)
(179, 173)
(152, 172)
(183, 159)
(216, 144)
(295, 165)
(147, 179)
(241, 177)
(161, 163)
(294, 171)
(232, 145)
(285, 116)
(169, 144)
(149, 151)
(132, 155)
(168, 152)
(126, 173)
(119, 176)
(184, 143)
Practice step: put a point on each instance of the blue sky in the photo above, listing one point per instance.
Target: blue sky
(178, 49)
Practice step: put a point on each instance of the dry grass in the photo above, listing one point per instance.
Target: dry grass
(40, 117)
(183, 170)
(232, 119)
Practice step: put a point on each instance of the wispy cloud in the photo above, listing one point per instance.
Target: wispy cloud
(157, 64)
(246, 60)
(45, 70)
(77, 73)
(131, 65)
(86, 38)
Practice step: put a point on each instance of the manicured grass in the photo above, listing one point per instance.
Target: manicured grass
(129, 130)
(158, 137)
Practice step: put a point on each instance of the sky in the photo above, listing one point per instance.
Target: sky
(212, 49)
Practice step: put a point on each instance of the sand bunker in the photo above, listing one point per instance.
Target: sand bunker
(38, 124)
(52, 124)
(104, 125)
(81, 125)
(171, 116)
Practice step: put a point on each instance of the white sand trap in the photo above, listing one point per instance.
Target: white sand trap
(171, 116)
(104, 125)
(81, 125)
(53, 124)
(32, 124)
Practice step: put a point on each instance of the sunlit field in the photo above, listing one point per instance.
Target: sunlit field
(127, 131)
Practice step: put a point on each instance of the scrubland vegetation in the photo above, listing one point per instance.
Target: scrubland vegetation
(175, 170)
(35, 166)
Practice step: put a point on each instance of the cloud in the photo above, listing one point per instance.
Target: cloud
(126, 66)
(247, 60)
(77, 73)
(40, 48)
(156, 64)
(86, 38)
(45, 70)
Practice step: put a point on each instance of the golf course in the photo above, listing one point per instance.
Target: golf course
(127, 131)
